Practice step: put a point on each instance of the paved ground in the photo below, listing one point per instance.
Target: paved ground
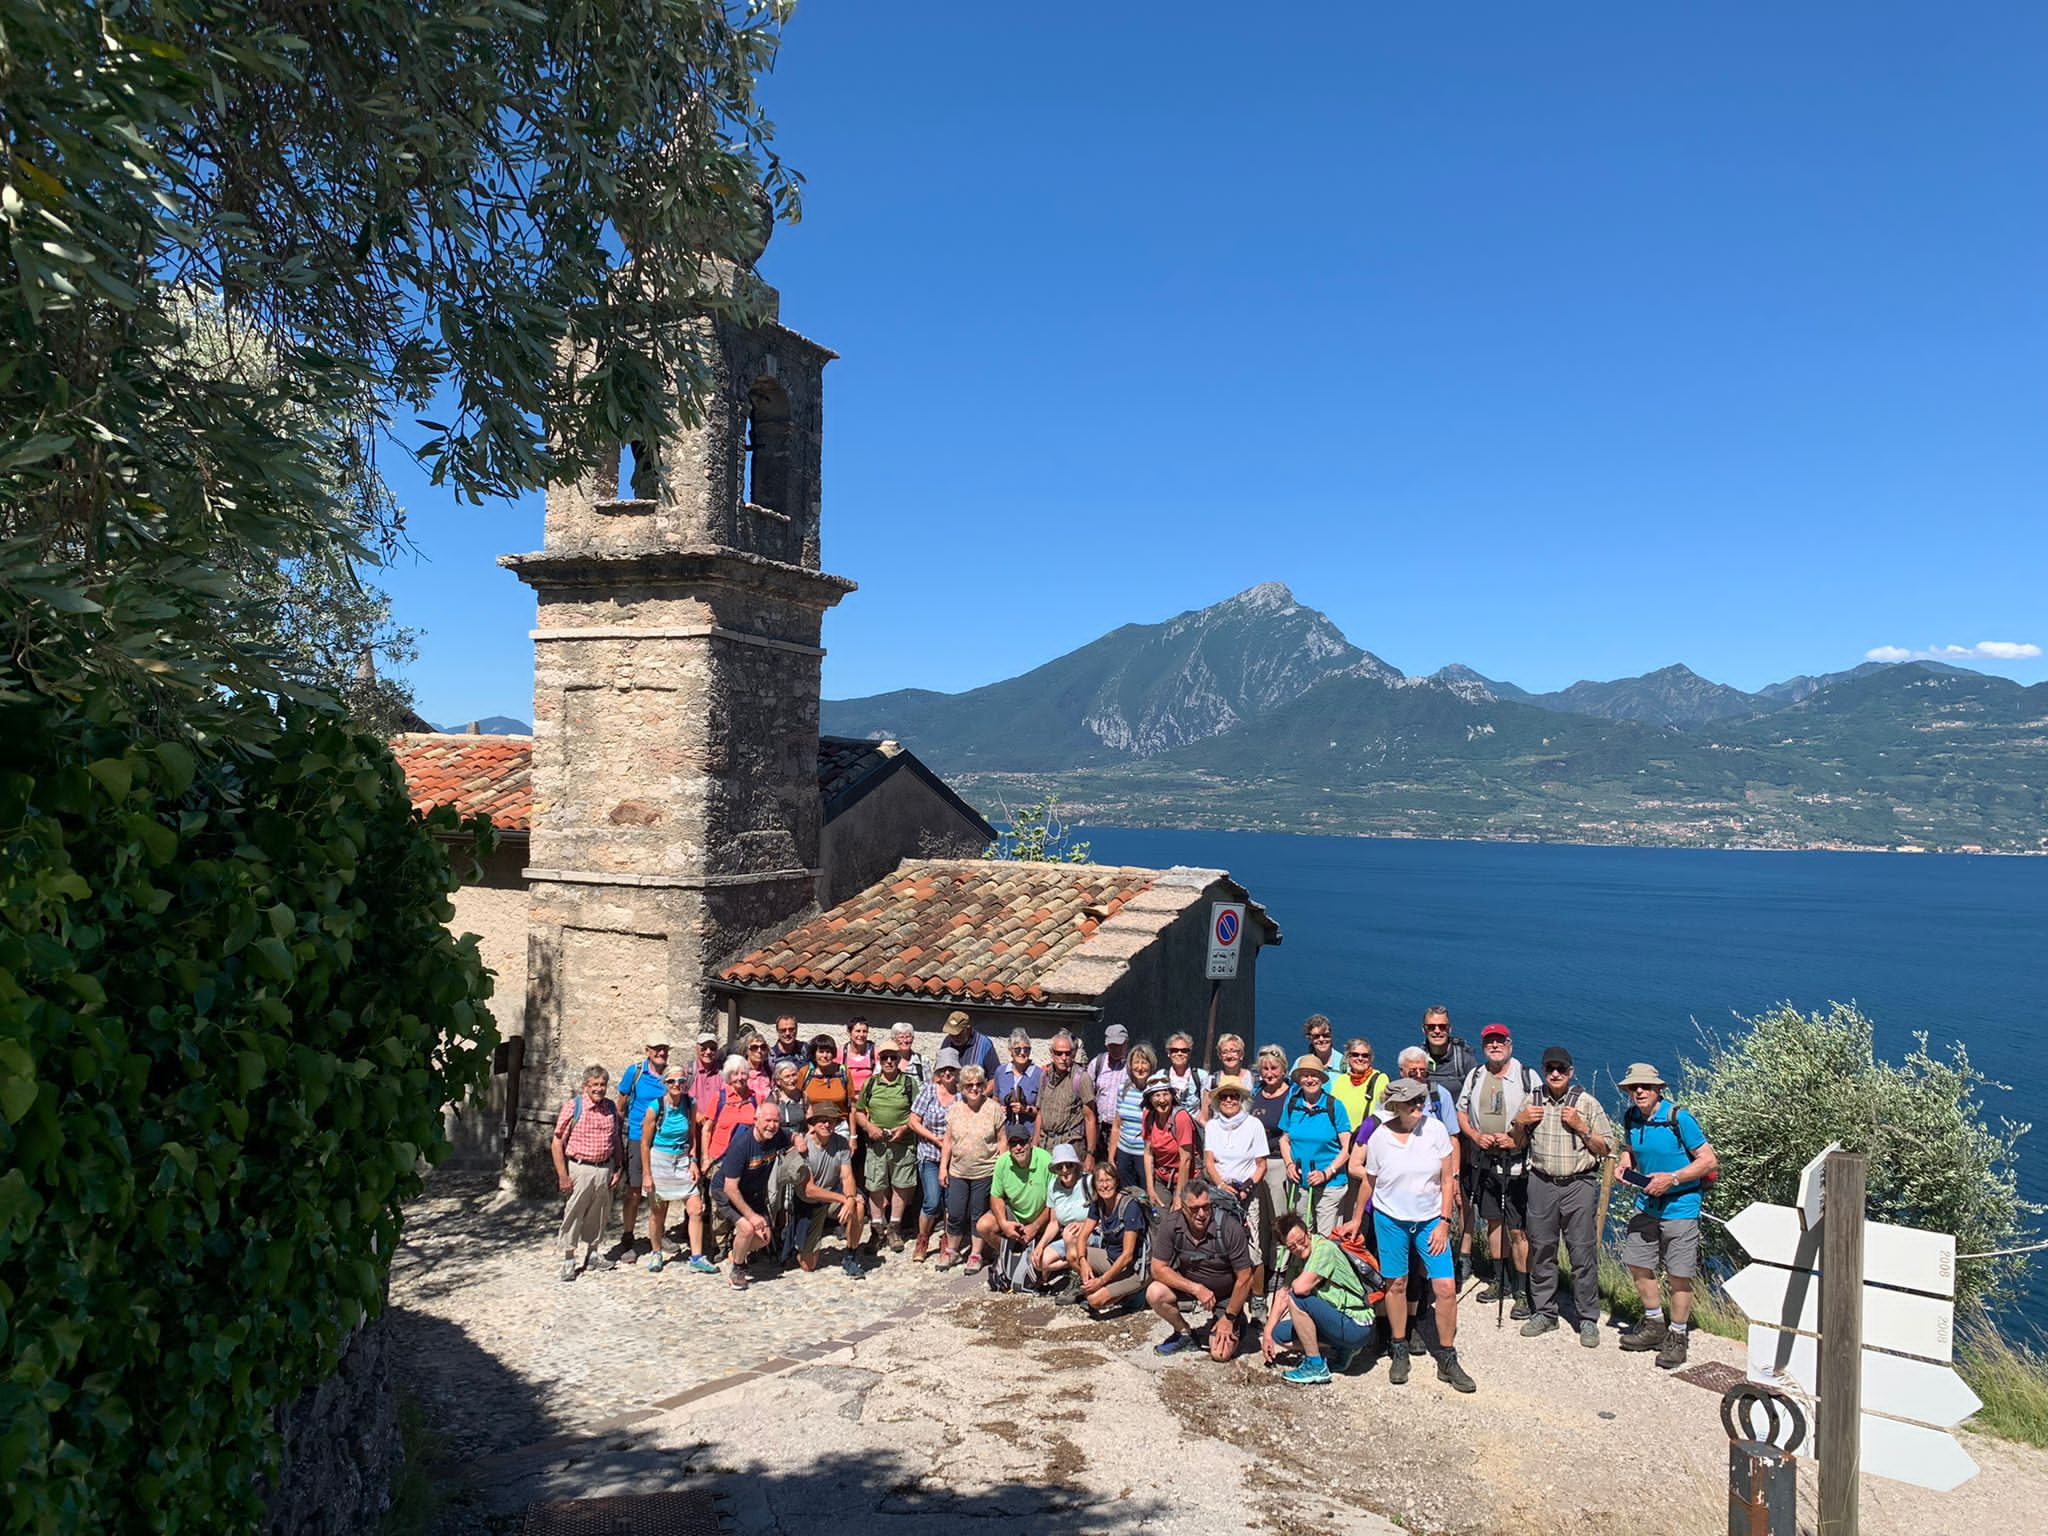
(912, 1401)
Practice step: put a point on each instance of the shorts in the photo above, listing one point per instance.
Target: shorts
(891, 1165)
(1396, 1236)
(674, 1174)
(635, 1176)
(1669, 1243)
(1515, 1188)
(931, 1194)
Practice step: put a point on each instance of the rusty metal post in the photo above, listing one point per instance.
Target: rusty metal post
(1763, 1474)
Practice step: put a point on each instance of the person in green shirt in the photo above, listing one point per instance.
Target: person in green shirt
(882, 1111)
(1323, 1307)
(1018, 1191)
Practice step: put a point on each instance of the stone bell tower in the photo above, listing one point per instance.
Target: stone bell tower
(675, 710)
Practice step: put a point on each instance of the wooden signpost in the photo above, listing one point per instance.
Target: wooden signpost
(1860, 1315)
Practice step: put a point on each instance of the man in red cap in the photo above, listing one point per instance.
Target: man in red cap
(1493, 1096)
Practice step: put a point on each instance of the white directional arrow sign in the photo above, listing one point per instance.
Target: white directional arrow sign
(1813, 1184)
(1905, 1389)
(1898, 1320)
(1900, 1256)
(1909, 1453)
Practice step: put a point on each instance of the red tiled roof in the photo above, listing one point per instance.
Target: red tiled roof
(981, 930)
(471, 773)
(495, 773)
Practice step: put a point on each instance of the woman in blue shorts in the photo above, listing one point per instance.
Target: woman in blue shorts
(1408, 1180)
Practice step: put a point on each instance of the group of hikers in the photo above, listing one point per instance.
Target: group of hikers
(1324, 1204)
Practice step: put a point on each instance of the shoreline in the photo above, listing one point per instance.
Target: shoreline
(1080, 828)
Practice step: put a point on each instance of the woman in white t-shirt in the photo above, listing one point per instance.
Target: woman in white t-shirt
(1407, 1178)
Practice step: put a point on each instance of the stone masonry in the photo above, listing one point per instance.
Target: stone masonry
(676, 681)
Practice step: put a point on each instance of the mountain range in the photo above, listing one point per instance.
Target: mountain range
(1260, 713)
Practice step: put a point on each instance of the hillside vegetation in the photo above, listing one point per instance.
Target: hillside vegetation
(1258, 714)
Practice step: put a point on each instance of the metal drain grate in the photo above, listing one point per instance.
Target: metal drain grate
(1713, 1375)
(648, 1514)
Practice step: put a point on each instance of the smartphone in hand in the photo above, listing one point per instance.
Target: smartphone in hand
(1635, 1176)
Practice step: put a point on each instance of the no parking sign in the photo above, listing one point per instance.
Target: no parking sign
(1226, 932)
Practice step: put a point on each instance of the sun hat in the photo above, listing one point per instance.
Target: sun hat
(1404, 1090)
(1234, 1085)
(1307, 1063)
(1495, 1032)
(1064, 1154)
(1641, 1074)
(947, 1057)
(957, 1020)
(887, 1048)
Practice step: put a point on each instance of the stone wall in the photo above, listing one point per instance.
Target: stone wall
(1164, 988)
(341, 1446)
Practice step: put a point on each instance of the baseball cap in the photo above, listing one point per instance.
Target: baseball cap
(1557, 1056)
(707, 1037)
(1064, 1154)
(1016, 1130)
(1495, 1032)
(957, 1020)
(1116, 1034)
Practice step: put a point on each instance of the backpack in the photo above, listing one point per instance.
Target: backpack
(1631, 1121)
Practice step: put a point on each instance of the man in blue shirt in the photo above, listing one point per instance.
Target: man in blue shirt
(973, 1048)
(639, 1090)
(741, 1193)
(1671, 1160)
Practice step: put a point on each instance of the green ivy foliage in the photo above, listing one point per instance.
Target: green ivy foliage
(230, 1017)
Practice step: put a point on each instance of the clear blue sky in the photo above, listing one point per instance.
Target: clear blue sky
(1563, 341)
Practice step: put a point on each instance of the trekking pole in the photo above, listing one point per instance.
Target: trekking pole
(1502, 1267)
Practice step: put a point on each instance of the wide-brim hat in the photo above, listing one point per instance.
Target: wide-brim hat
(1404, 1090)
(1236, 1085)
(1307, 1063)
(1641, 1074)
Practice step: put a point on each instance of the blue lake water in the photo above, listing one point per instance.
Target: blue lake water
(1624, 954)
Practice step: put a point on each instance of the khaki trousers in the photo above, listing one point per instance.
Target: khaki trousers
(589, 1206)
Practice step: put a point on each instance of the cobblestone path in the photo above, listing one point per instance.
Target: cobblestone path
(503, 1354)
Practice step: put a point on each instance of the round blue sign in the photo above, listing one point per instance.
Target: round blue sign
(1226, 927)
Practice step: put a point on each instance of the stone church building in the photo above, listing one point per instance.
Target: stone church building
(681, 848)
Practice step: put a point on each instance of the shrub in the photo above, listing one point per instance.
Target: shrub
(1773, 1094)
(230, 1015)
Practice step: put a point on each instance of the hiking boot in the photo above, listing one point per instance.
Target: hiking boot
(1173, 1344)
(895, 1241)
(1589, 1334)
(701, 1265)
(1312, 1372)
(569, 1268)
(1448, 1369)
(1521, 1309)
(851, 1264)
(1646, 1335)
(1397, 1365)
(1671, 1354)
(1489, 1294)
(1540, 1324)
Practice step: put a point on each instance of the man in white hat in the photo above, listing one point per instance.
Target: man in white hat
(1669, 1160)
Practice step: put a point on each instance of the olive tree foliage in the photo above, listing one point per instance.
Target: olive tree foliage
(1774, 1091)
(410, 204)
(1037, 833)
(238, 242)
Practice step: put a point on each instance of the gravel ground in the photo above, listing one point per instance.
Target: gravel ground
(913, 1400)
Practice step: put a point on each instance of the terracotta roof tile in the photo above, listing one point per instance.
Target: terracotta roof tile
(495, 773)
(492, 774)
(948, 928)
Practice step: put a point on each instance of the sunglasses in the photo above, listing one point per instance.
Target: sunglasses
(758, 1045)
(1556, 1071)
(1360, 1055)
(1059, 1055)
(677, 1082)
(1180, 1050)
